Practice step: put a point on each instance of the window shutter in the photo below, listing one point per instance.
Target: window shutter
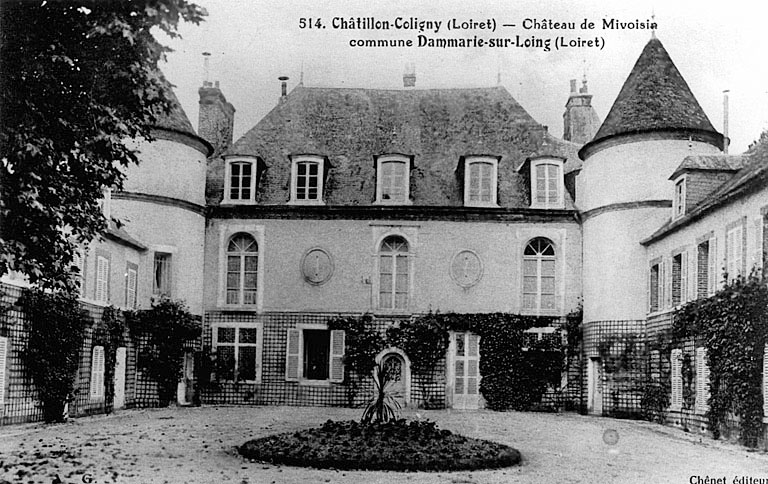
(292, 353)
(3, 359)
(676, 400)
(683, 277)
(712, 283)
(97, 372)
(702, 380)
(102, 279)
(337, 356)
(765, 380)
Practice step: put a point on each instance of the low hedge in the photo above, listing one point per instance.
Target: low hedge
(397, 445)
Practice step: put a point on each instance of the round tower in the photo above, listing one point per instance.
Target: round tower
(162, 204)
(625, 194)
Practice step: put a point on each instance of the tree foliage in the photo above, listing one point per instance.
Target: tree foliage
(79, 78)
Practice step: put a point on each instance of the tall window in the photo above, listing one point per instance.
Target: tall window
(480, 181)
(307, 179)
(539, 275)
(242, 269)
(679, 205)
(734, 256)
(102, 279)
(393, 273)
(655, 288)
(706, 271)
(238, 351)
(241, 181)
(393, 181)
(679, 278)
(161, 282)
(131, 284)
(547, 191)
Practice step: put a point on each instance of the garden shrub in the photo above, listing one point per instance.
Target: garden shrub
(56, 326)
(655, 400)
(733, 325)
(395, 445)
(168, 325)
(383, 406)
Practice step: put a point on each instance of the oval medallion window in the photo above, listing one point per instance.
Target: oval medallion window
(466, 268)
(317, 266)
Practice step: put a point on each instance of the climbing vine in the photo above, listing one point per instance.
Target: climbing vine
(109, 333)
(733, 325)
(56, 324)
(362, 344)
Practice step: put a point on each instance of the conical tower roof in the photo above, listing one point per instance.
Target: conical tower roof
(655, 97)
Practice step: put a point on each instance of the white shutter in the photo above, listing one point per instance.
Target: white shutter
(3, 358)
(713, 271)
(683, 277)
(337, 356)
(97, 373)
(130, 289)
(765, 380)
(292, 355)
(702, 381)
(473, 364)
(676, 400)
(102, 279)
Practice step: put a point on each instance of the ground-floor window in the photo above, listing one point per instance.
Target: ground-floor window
(702, 381)
(97, 373)
(676, 364)
(314, 354)
(464, 369)
(238, 352)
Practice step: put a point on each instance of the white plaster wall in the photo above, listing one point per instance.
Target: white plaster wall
(168, 229)
(167, 168)
(615, 263)
(634, 171)
(353, 248)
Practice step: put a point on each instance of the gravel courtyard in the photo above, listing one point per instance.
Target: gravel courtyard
(181, 445)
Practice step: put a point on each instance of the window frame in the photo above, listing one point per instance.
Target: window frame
(101, 286)
(659, 300)
(228, 162)
(259, 345)
(380, 160)
(241, 271)
(494, 162)
(710, 265)
(539, 258)
(168, 257)
(681, 297)
(679, 197)
(409, 255)
(559, 202)
(320, 161)
(225, 234)
(96, 385)
(131, 293)
(300, 355)
(739, 263)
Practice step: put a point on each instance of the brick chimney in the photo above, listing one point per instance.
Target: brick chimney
(217, 117)
(580, 120)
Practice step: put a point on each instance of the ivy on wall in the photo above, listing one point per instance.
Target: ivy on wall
(110, 333)
(56, 325)
(733, 325)
(362, 344)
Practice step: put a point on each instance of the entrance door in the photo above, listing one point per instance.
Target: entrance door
(595, 378)
(464, 370)
(119, 401)
(185, 388)
(394, 365)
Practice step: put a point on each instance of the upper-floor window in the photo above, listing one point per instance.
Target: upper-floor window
(161, 272)
(240, 180)
(655, 291)
(242, 269)
(734, 251)
(106, 203)
(679, 278)
(307, 175)
(394, 273)
(131, 284)
(706, 270)
(101, 291)
(679, 202)
(547, 183)
(480, 181)
(539, 275)
(393, 179)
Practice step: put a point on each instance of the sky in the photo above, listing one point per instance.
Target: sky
(715, 45)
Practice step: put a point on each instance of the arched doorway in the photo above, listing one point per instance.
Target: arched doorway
(397, 364)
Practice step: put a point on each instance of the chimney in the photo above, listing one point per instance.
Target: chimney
(283, 87)
(726, 140)
(217, 116)
(580, 120)
(409, 76)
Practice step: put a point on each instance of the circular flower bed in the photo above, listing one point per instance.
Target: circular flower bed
(397, 445)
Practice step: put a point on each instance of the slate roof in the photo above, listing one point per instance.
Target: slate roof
(351, 126)
(753, 175)
(176, 119)
(710, 163)
(654, 97)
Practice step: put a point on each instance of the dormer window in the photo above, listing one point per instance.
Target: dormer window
(547, 183)
(240, 180)
(307, 175)
(393, 179)
(480, 181)
(679, 203)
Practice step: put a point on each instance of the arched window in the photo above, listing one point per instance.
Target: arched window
(393, 273)
(242, 264)
(539, 275)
